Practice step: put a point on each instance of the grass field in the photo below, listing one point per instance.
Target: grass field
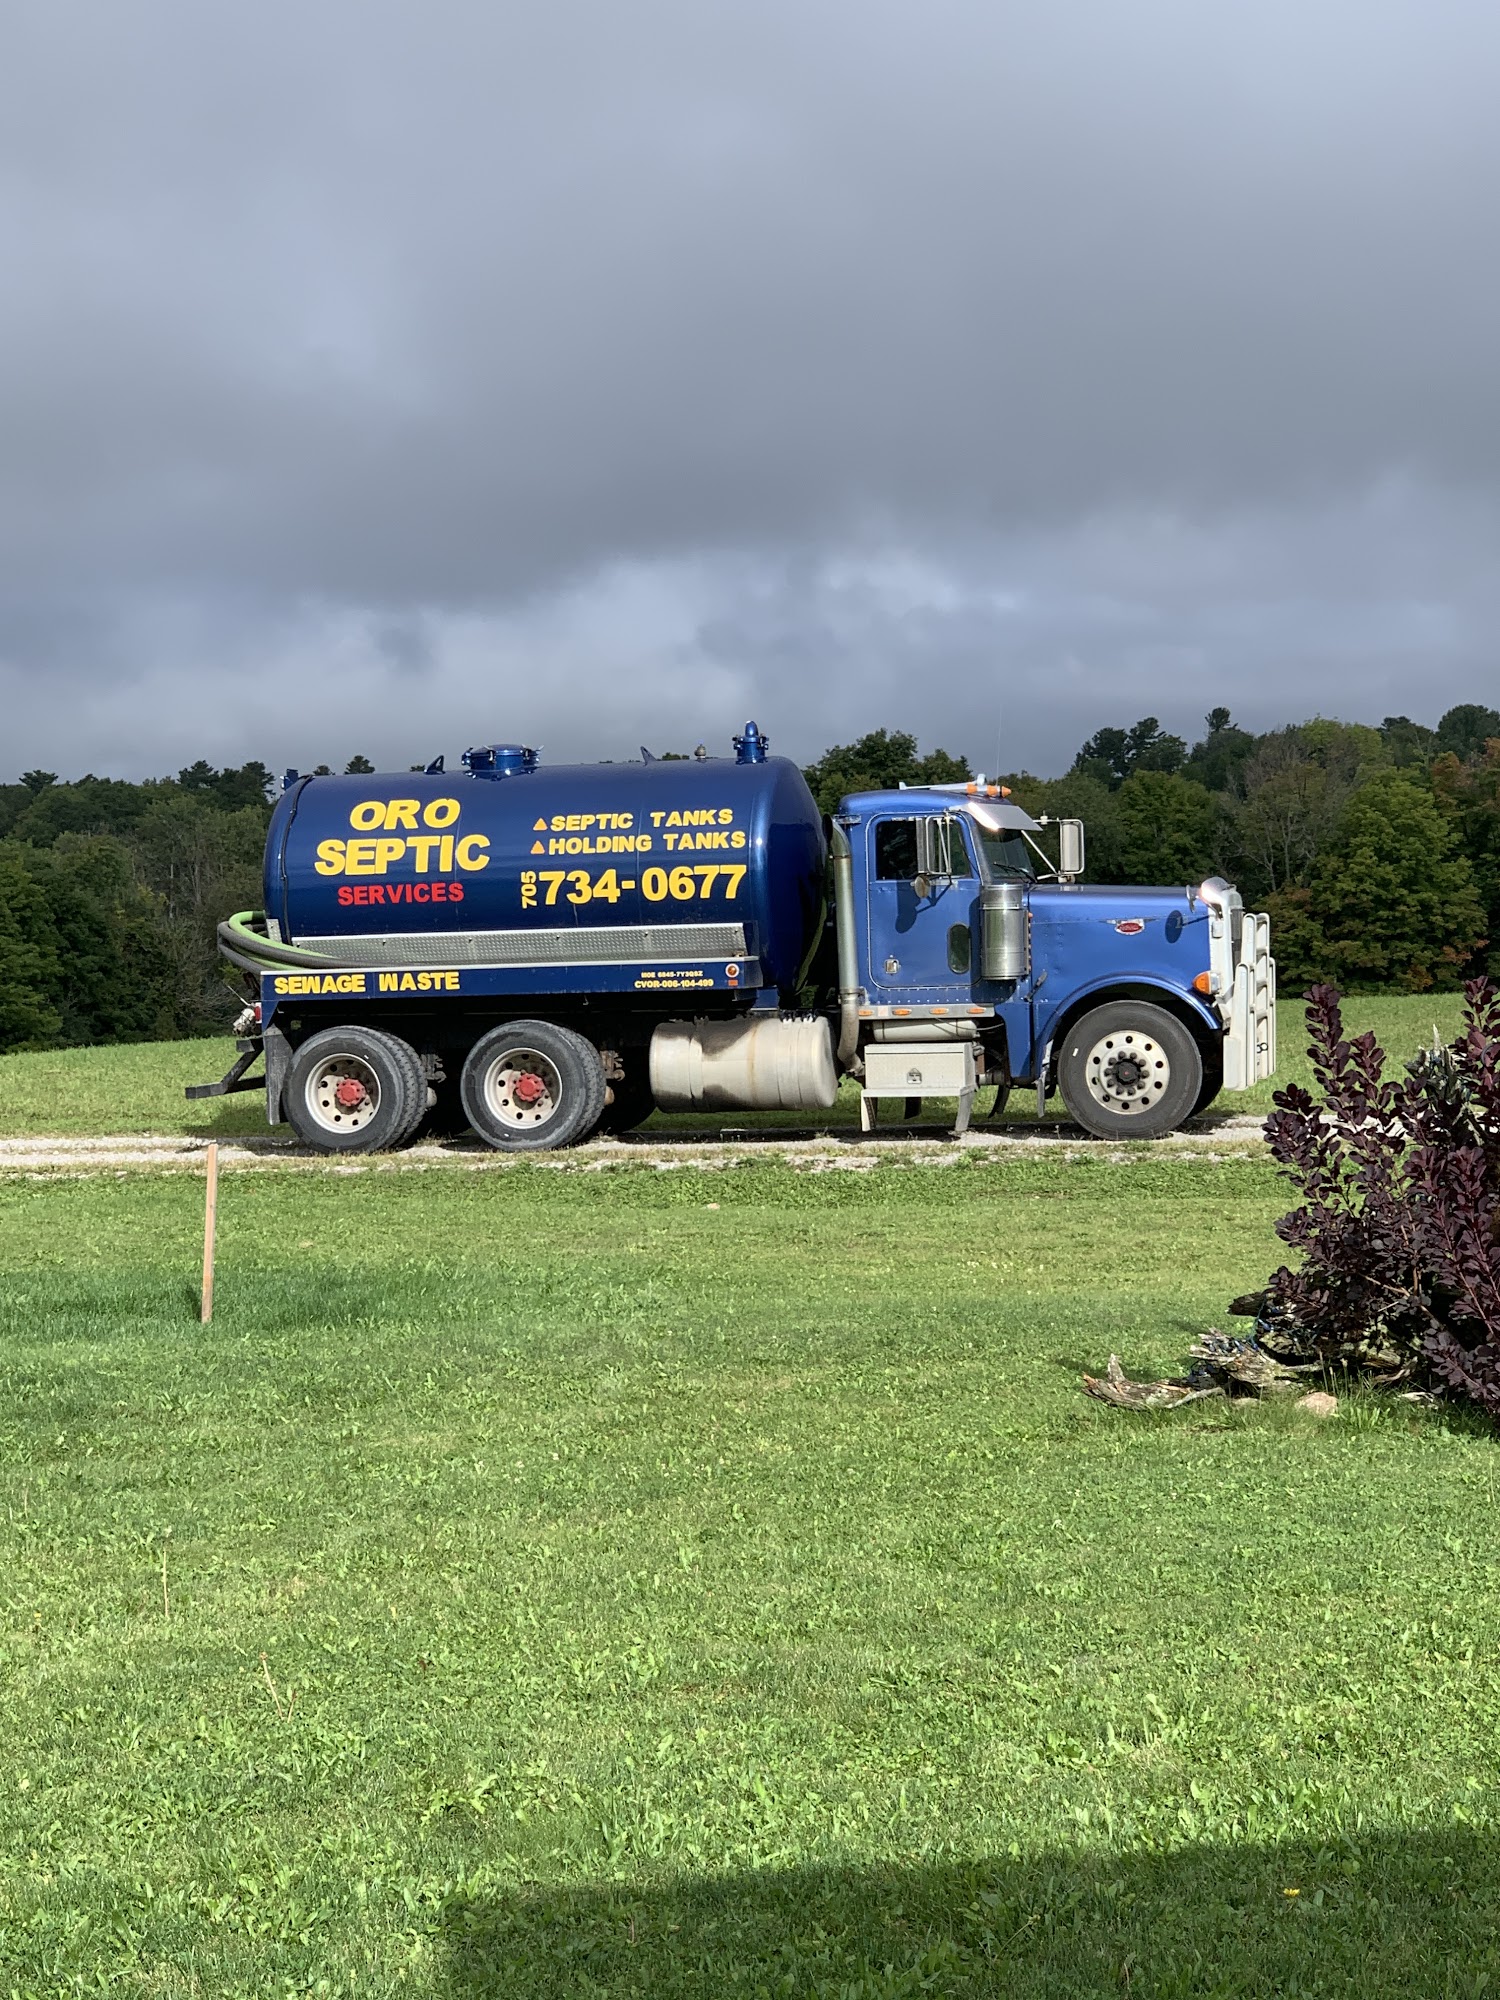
(138, 1088)
(675, 1584)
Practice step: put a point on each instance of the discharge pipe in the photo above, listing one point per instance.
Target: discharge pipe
(848, 952)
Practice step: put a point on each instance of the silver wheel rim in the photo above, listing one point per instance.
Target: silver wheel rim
(1127, 1072)
(321, 1094)
(509, 1082)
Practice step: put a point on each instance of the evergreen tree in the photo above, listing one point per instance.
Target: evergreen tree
(1150, 748)
(1105, 758)
(229, 789)
(1111, 755)
(1224, 748)
(358, 767)
(250, 785)
(1466, 729)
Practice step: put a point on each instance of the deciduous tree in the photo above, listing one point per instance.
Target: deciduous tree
(880, 761)
(1394, 897)
(29, 969)
(1170, 827)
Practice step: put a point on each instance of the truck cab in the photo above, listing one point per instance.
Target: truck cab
(977, 958)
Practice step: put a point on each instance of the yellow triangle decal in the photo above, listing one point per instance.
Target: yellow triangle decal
(537, 847)
(540, 827)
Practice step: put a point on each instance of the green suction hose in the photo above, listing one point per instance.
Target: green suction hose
(243, 941)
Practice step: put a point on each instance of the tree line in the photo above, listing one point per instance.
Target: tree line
(1376, 851)
(110, 898)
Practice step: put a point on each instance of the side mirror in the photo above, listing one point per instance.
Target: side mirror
(934, 852)
(1069, 848)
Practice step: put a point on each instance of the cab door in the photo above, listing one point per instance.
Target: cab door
(920, 925)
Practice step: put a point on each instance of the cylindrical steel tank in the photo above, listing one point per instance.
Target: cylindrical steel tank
(580, 864)
(749, 1065)
(1004, 944)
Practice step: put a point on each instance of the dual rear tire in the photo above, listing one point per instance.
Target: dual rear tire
(355, 1090)
(525, 1087)
(530, 1087)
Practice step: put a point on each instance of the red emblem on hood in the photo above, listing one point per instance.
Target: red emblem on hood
(1130, 926)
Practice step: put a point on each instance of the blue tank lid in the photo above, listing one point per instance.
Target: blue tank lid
(500, 760)
(750, 748)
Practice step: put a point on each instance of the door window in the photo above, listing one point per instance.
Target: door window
(896, 850)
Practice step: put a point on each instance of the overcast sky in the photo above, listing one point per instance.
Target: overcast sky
(601, 372)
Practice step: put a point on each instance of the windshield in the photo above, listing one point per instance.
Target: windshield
(1007, 855)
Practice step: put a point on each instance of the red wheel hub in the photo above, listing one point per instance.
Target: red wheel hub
(349, 1092)
(529, 1088)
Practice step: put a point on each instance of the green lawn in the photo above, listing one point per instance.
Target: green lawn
(139, 1088)
(661, 1583)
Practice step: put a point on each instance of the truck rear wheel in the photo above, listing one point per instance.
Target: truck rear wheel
(1129, 1070)
(529, 1086)
(354, 1090)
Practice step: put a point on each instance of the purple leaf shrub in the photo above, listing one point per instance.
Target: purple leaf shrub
(1398, 1227)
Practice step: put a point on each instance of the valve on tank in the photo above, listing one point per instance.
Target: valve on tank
(750, 748)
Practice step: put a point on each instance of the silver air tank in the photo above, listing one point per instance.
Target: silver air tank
(767, 1064)
(1004, 949)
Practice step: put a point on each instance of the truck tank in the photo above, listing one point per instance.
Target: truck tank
(588, 866)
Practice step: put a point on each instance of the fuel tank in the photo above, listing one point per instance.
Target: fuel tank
(515, 864)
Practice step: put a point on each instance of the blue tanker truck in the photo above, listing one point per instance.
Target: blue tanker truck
(542, 953)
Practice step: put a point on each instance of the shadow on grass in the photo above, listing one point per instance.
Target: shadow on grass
(1376, 1915)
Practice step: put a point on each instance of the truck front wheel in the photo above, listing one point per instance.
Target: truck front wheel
(529, 1086)
(355, 1090)
(1129, 1070)
(1213, 1080)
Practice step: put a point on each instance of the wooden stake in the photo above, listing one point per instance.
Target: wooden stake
(210, 1217)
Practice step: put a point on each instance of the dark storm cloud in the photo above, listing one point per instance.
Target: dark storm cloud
(371, 372)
